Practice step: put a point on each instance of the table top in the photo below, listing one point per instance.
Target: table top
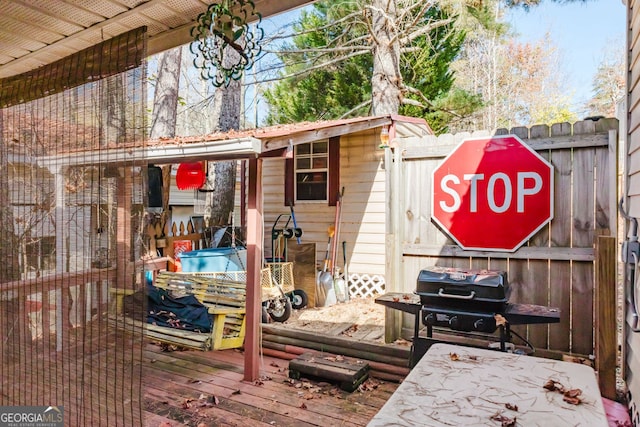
(464, 386)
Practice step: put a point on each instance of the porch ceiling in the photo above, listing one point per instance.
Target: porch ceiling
(37, 32)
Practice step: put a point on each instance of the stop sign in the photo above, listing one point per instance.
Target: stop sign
(492, 193)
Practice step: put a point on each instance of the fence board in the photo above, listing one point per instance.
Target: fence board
(556, 267)
(536, 275)
(582, 235)
(560, 271)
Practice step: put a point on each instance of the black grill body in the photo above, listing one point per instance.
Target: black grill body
(459, 320)
(475, 291)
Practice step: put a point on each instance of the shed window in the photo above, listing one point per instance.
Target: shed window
(312, 170)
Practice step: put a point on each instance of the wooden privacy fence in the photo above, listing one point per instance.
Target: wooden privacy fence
(557, 266)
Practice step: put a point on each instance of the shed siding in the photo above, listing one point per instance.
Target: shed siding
(632, 347)
(363, 214)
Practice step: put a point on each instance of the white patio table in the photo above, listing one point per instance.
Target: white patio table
(464, 386)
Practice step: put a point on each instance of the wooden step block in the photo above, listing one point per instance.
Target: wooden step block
(349, 373)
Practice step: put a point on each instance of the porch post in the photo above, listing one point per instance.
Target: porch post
(124, 273)
(255, 231)
(61, 255)
(393, 239)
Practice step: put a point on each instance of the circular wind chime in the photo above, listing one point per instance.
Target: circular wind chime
(225, 25)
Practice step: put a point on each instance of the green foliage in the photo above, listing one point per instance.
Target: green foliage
(343, 87)
(448, 110)
(429, 72)
(558, 112)
(325, 93)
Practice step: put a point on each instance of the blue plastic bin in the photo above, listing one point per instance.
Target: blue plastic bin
(214, 260)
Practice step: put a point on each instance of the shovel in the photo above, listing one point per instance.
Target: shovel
(321, 277)
(325, 278)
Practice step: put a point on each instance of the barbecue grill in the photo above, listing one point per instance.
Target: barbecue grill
(465, 300)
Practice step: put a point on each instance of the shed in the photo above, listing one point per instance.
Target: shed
(306, 165)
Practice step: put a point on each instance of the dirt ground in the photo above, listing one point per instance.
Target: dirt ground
(356, 315)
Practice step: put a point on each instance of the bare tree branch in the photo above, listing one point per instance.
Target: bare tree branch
(324, 27)
(313, 68)
(319, 50)
(416, 18)
(356, 108)
(420, 95)
(424, 30)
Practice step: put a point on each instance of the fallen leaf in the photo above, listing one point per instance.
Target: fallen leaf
(274, 364)
(303, 406)
(396, 299)
(258, 382)
(504, 420)
(454, 356)
(406, 297)
(511, 407)
(500, 320)
(235, 392)
(573, 392)
(572, 400)
(308, 396)
(552, 385)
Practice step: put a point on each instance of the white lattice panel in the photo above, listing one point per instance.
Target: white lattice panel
(365, 285)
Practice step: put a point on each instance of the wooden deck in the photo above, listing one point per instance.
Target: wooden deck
(198, 388)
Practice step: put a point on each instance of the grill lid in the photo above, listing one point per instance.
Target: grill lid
(459, 287)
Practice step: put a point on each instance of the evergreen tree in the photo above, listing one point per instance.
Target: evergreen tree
(332, 60)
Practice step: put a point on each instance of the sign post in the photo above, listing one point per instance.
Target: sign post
(492, 193)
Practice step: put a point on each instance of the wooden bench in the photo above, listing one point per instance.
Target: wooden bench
(225, 302)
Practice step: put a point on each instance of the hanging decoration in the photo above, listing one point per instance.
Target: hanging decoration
(225, 25)
(190, 176)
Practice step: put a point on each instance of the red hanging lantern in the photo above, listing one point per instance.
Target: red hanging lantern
(191, 176)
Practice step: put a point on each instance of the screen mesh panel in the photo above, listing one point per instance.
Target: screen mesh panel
(71, 212)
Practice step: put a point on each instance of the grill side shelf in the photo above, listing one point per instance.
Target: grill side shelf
(529, 314)
(409, 303)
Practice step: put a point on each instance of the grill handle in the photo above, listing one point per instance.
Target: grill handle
(442, 294)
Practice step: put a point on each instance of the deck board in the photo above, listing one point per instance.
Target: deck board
(171, 379)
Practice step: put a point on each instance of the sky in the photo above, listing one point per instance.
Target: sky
(581, 30)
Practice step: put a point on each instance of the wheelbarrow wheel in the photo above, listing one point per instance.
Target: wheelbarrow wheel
(299, 299)
(280, 309)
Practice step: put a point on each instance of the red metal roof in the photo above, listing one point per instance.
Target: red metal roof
(278, 131)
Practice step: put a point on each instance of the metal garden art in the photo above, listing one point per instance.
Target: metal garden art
(225, 25)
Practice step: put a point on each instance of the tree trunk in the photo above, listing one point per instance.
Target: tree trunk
(10, 269)
(386, 80)
(222, 175)
(165, 105)
(12, 336)
(112, 110)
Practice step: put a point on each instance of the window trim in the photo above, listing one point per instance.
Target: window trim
(333, 176)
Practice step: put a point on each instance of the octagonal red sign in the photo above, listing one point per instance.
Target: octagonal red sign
(492, 193)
